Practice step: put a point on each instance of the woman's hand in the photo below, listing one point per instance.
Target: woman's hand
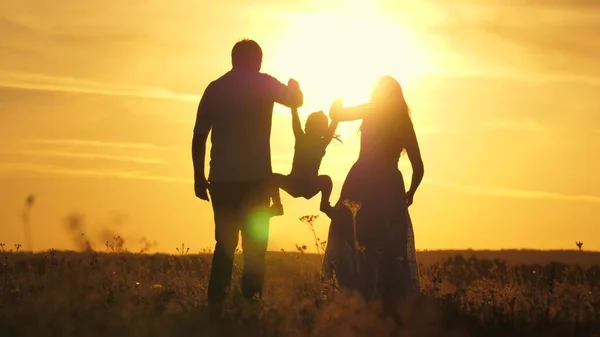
(336, 109)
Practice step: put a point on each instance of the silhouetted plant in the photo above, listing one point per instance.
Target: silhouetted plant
(309, 220)
(117, 245)
(301, 249)
(29, 201)
(354, 207)
(182, 250)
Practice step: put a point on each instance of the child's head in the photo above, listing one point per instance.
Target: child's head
(317, 124)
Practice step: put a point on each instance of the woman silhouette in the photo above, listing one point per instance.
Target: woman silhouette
(371, 245)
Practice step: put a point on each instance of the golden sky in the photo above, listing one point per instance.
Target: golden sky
(98, 100)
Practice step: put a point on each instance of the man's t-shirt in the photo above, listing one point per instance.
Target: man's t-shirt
(238, 108)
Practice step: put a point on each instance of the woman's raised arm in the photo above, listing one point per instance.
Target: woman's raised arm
(339, 113)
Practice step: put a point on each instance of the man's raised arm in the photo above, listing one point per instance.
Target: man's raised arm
(288, 95)
(201, 130)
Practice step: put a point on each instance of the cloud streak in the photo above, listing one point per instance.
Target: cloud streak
(519, 193)
(58, 170)
(527, 124)
(101, 144)
(40, 82)
(143, 175)
(83, 155)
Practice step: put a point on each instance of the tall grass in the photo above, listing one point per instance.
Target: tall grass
(117, 293)
(126, 294)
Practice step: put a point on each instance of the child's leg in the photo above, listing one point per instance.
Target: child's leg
(326, 186)
(275, 186)
(276, 183)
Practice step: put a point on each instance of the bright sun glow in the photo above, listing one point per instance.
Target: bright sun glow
(341, 54)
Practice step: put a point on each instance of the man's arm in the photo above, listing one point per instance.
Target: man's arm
(199, 155)
(201, 130)
(288, 95)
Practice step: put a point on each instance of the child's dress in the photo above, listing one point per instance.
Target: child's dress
(308, 154)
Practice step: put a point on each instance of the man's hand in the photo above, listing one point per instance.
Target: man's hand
(201, 188)
(293, 84)
(410, 195)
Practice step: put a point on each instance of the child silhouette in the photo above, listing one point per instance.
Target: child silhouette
(304, 179)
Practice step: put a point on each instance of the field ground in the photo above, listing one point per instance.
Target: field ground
(464, 293)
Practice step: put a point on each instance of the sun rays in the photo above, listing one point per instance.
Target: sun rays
(340, 53)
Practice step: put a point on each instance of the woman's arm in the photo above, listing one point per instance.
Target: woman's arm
(414, 155)
(296, 126)
(342, 114)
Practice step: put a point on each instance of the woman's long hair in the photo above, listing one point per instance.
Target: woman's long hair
(391, 113)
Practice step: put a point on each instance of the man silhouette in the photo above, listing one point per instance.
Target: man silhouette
(238, 108)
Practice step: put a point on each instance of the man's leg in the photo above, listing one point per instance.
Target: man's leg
(255, 236)
(226, 202)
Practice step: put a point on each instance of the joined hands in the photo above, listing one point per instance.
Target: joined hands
(336, 108)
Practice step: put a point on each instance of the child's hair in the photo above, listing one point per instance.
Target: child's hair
(318, 123)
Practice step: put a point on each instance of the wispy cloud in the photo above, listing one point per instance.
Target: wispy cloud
(64, 84)
(83, 155)
(544, 36)
(518, 193)
(58, 170)
(144, 175)
(101, 144)
(527, 124)
(426, 130)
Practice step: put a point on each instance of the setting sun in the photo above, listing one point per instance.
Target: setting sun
(335, 54)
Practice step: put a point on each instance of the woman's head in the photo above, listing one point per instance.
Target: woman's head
(388, 100)
(388, 95)
(391, 114)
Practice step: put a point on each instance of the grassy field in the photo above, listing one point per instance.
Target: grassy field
(466, 293)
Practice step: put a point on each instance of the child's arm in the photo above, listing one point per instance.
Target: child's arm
(331, 133)
(296, 126)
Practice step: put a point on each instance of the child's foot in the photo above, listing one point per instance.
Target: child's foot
(276, 210)
(327, 209)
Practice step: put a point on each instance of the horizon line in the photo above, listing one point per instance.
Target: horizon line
(426, 250)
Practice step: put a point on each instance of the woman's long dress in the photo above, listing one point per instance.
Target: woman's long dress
(373, 252)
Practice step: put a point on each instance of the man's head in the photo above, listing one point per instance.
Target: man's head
(246, 54)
